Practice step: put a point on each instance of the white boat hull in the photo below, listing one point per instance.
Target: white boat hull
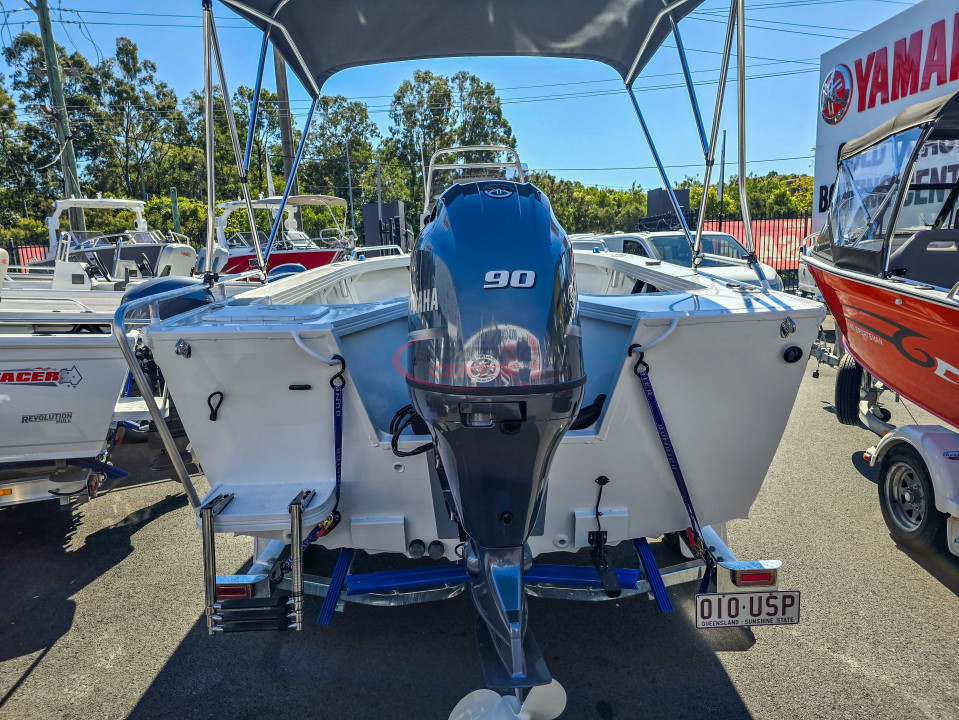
(725, 391)
(57, 395)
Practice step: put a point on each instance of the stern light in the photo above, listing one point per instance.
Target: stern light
(234, 591)
(754, 578)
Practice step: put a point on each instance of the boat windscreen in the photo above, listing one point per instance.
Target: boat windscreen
(930, 201)
(445, 176)
(866, 189)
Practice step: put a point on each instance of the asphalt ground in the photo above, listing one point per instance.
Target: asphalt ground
(100, 617)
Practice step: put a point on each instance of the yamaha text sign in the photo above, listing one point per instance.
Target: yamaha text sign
(910, 58)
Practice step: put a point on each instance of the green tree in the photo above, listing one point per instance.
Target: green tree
(138, 118)
(431, 112)
(324, 169)
(585, 208)
(770, 194)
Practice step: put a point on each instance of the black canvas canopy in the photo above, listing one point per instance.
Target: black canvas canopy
(912, 116)
(321, 37)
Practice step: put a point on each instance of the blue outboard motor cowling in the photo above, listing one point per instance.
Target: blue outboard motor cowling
(496, 371)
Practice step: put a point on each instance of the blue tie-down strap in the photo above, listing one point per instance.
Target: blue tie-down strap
(336, 586)
(112, 473)
(651, 569)
(641, 370)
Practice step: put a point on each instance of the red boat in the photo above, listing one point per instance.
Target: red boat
(291, 245)
(887, 261)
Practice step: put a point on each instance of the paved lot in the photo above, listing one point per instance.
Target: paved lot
(99, 618)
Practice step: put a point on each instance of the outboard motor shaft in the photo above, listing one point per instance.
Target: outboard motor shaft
(496, 371)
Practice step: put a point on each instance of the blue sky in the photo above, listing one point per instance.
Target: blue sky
(571, 117)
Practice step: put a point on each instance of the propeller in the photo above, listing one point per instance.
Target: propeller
(543, 702)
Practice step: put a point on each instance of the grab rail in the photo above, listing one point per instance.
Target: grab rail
(44, 270)
(593, 245)
(375, 248)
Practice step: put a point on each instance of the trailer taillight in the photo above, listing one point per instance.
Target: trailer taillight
(754, 578)
(234, 591)
(6, 491)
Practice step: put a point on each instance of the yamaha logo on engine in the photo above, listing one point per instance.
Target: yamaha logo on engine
(498, 191)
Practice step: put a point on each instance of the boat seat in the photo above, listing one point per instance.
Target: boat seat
(929, 256)
(265, 507)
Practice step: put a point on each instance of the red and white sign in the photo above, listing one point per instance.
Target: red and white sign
(910, 58)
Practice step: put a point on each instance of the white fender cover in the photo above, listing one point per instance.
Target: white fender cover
(939, 448)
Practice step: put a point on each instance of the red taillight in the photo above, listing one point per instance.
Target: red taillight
(234, 592)
(752, 578)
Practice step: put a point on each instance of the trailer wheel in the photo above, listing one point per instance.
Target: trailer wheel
(907, 498)
(848, 383)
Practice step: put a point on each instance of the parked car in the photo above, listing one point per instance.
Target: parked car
(723, 255)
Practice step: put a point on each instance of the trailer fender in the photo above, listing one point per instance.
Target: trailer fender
(939, 448)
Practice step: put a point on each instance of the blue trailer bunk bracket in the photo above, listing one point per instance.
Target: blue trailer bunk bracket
(340, 571)
(656, 585)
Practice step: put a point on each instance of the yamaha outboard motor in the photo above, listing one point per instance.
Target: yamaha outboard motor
(496, 371)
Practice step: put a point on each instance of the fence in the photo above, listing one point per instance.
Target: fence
(22, 253)
(778, 238)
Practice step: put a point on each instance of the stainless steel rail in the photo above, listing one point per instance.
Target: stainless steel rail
(119, 332)
(375, 248)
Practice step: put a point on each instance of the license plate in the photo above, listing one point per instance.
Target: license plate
(770, 607)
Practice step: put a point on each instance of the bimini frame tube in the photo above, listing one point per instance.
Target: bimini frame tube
(278, 220)
(714, 131)
(255, 107)
(741, 142)
(693, 101)
(659, 164)
(235, 138)
(210, 169)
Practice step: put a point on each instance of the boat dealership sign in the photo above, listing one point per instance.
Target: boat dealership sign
(910, 58)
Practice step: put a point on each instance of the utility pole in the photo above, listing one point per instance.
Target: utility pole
(68, 159)
(175, 209)
(286, 125)
(349, 183)
(379, 194)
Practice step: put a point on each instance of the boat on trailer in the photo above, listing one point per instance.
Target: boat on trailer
(493, 396)
(294, 246)
(137, 251)
(887, 265)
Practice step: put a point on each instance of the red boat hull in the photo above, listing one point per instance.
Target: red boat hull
(307, 258)
(909, 343)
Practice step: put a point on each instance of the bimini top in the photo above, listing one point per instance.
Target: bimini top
(912, 116)
(321, 37)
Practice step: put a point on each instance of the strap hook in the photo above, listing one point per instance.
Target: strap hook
(214, 409)
(339, 375)
(640, 361)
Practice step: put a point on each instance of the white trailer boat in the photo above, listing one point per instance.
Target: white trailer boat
(61, 375)
(294, 246)
(493, 396)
